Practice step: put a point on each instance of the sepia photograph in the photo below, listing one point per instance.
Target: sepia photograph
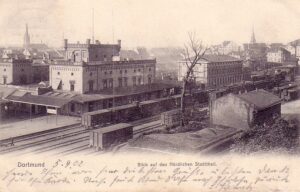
(149, 95)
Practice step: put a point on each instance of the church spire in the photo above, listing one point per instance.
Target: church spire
(253, 40)
(26, 38)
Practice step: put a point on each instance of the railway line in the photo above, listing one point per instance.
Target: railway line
(47, 133)
(65, 141)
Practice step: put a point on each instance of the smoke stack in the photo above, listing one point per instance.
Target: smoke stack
(97, 42)
(65, 44)
(119, 42)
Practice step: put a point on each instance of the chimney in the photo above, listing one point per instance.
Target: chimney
(119, 42)
(88, 42)
(65, 44)
(97, 42)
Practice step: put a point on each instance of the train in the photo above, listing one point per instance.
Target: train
(148, 108)
(129, 112)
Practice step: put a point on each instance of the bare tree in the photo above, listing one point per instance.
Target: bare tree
(193, 52)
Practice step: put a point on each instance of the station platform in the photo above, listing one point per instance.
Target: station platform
(39, 124)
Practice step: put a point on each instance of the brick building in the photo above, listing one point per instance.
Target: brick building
(215, 71)
(22, 71)
(91, 68)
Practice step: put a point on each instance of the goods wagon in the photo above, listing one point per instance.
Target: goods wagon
(125, 113)
(130, 112)
(149, 108)
(292, 94)
(171, 118)
(105, 137)
(117, 114)
(200, 96)
(96, 118)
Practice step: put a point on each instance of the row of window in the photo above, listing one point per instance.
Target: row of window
(108, 83)
(224, 80)
(65, 68)
(224, 63)
(123, 82)
(224, 70)
(116, 67)
(123, 71)
(22, 65)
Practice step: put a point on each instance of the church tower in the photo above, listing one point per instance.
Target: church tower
(26, 38)
(253, 40)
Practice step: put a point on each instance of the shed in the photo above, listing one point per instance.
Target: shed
(244, 110)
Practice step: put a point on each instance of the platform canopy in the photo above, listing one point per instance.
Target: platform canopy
(38, 100)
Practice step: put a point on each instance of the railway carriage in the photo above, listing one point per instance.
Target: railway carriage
(125, 113)
(106, 137)
(96, 118)
(130, 112)
(149, 108)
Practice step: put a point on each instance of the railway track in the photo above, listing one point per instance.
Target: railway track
(25, 138)
(67, 140)
(40, 141)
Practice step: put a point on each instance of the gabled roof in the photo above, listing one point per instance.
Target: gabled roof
(276, 49)
(261, 99)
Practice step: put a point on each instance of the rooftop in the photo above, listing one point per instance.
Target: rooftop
(261, 99)
(276, 49)
(102, 63)
(219, 58)
(37, 99)
(112, 128)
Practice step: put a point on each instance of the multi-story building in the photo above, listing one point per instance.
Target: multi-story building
(294, 47)
(16, 71)
(227, 47)
(215, 71)
(90, 68)
(22, 71)
(278, 55)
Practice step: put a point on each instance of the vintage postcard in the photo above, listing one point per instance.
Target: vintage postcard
(149, 95)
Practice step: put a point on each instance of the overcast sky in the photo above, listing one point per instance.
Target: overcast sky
(149, 23)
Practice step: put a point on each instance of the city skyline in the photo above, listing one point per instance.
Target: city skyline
(145, 23)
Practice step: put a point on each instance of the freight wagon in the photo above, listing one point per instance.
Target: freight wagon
(171, 118)
(106, 137)
(123, 113)
(129, 112)
(96, 118)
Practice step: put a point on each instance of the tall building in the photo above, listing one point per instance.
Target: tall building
(91, 68)
(215, 71)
